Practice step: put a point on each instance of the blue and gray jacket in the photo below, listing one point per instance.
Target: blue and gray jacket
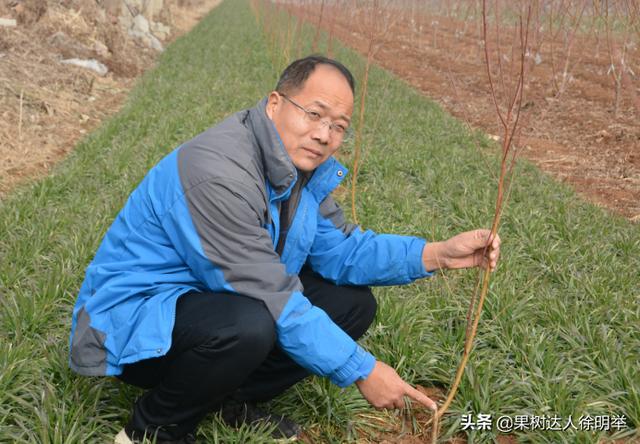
(206, 218)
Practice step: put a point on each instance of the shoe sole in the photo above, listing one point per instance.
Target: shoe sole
(285, 440)
(122, 438)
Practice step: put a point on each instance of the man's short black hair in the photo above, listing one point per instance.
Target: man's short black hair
(293, 77)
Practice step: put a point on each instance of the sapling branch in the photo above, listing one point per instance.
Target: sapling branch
(377, 27)
(510, 124)
(316, 37)
(358, 140)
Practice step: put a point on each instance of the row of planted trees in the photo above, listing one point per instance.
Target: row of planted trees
(511, 38)
(562, 36)
(563, 33)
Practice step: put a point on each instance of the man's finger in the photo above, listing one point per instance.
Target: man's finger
(421, 398)
(484, 238)
(480, 260)
(496, 242)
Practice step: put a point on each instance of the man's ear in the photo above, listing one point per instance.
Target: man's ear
(272, 104)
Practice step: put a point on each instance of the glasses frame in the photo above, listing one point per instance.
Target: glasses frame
(314, 117)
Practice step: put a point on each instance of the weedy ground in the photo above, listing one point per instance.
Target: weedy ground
(559, 333)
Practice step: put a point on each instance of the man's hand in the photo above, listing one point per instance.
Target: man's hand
(463, 251)
(384, 389)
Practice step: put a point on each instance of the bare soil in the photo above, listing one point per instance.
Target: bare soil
(575, 136)
(411, 427)
(46, 107)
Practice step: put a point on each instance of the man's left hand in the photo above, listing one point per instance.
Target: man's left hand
(475, 248)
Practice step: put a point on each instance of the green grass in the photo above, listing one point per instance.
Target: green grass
(559, 333)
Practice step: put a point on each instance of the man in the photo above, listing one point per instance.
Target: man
(230, 274)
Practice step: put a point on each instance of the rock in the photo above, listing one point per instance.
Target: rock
(140, 24)
(144, 38)
(134, 19)
(148, 8)
(141, 29)
(101, 49)
(538, 59)
(160, 30)
(10, 23)
(68, 47)
(58, 39)
(91, 64)
(147, 39)
(155, 43)
(134, 6)
(161, 35)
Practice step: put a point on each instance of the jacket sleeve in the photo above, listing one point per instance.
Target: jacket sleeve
(345, 254)
(218, 232)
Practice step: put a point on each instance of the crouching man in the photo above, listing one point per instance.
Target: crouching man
(231, 274)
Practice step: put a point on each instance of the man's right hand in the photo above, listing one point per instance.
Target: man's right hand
(385, 389)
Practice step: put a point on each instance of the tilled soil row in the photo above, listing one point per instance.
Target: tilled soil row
(574, 136)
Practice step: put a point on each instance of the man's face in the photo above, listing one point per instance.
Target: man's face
(327, 93)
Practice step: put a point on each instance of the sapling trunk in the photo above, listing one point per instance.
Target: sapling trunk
(377, 28)
(617, 56)
(510, 125)
(358, 139)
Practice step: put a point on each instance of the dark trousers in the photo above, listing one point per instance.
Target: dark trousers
(224, 345)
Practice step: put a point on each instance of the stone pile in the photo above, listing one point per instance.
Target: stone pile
(137, 18)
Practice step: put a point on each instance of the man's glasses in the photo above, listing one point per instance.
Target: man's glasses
(314, 118)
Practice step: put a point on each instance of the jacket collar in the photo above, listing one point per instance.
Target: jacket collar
(279, 169)
(326, 178)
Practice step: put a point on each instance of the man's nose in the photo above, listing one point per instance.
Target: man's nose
(322, 134)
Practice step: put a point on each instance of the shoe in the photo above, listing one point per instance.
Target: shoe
(128, 436)
(122, 438)
(235, 414)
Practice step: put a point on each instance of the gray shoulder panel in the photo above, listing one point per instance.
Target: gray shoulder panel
(233, 239)
(224, 152)
(88, 355)
(329, 209)
(223, 173)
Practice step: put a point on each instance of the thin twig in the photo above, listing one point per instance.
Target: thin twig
(376, 33)
(358, 142)
(487, 64)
